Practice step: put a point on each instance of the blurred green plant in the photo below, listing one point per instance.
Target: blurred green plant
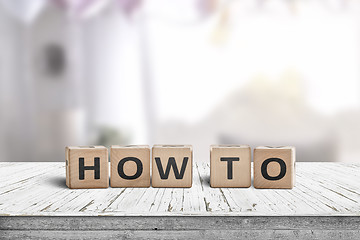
(108, 135)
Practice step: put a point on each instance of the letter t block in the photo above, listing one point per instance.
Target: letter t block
(230, 166)
(87, 167)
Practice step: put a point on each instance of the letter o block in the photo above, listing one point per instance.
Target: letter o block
(87, 167)
(130, 166)
(274, 167)
(230, 166)
(172, 166)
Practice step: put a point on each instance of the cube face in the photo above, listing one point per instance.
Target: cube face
(274, 167)
(130, 166)
(230, 166)
(172, 166)
(87, 167)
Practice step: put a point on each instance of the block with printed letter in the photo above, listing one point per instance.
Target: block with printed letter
(230, 166)
(172, 166)
(87, 167)
(274, 167)
(130, 166)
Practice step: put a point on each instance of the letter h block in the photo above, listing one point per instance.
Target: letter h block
(130, 166)
(87, 167)
(274, 167)
(172, 166)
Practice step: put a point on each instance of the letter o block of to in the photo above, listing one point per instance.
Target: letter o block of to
(274, 167)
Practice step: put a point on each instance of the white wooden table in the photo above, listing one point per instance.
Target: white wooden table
(35, 203)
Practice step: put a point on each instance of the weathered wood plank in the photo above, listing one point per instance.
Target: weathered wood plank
(36, 204)
(321, 189)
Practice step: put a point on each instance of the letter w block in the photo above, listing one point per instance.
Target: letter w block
(172, 166)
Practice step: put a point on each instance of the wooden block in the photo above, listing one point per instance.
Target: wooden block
(230, 166)
(130, 166)
(274, 167)
(172, 166)
(87, 167)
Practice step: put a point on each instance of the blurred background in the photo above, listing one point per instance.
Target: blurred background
(200, 72)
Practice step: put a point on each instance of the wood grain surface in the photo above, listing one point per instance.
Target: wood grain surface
(322, 189)
(36, 204)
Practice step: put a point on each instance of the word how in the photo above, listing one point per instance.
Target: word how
(230, 166)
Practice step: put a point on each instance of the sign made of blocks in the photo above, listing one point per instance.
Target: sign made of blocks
(172, 166)
(274, 167)
(87, 167)
(130, 166)
(230, 166)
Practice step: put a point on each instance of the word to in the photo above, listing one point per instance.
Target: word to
(230, 166)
